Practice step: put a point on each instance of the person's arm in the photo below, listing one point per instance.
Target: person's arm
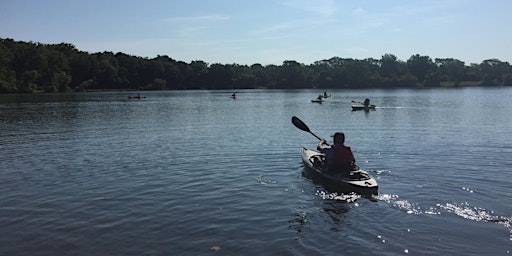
(320, 144)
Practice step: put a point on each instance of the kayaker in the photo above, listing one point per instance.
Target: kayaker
(366, 102)
(339, 157)
(325, 94)
(319, 97)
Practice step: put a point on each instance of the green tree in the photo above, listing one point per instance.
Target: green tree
(197, 73)
(219, 76)
(170, 72)
(407, 80)
(28, 81)
(474, 73)
(293, 75)
(157, 84)
(85, 85)
(432, 79)
(321, 74)
(261, 78)
(357, 73)
(61, 82)
(420, 66)
(106, 72)
(451, 70)
(7, 75)
(81, 70)
(389, 66)
(28, 67)
(494, 70)
(7, 81)
(507, 79)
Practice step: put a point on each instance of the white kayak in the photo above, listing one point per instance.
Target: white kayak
(356, 180)
(363, 107)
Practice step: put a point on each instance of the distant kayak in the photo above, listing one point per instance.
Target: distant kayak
(317, 101)
(136, 97)
(362, 107)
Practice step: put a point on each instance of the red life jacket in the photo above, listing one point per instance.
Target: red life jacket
(342, 156)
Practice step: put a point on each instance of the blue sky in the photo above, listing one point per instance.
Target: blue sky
(268, 32)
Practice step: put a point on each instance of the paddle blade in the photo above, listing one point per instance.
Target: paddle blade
(299, 124)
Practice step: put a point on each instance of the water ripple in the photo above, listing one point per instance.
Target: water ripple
(196, 173)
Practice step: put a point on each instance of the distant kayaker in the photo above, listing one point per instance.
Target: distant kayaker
(233, 96)
(325, 95)
(366, 102)
(339, 156)
(319, 97)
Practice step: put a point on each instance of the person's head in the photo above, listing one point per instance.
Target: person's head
(339, 138)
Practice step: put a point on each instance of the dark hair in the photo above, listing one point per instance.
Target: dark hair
(339, 138)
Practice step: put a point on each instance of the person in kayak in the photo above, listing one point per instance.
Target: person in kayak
(366, 102)
(338, 157)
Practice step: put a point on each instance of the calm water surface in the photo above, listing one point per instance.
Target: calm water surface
(196, 173)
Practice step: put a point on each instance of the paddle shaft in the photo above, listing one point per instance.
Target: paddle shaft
(301, 125)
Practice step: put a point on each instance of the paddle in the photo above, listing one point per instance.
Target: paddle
(301, 125)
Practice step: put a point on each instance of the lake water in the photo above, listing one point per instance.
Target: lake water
(197, 173)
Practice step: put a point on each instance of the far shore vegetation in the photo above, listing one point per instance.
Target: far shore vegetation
(28, 67)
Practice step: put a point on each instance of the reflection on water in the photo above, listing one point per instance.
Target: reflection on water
(475, 213)
(349, 198)
(335, 210)
(299, 223)
(464, 210)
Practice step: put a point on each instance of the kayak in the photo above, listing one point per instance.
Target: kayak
(362, 107)
(317, 101)
(136, 97)
(356, 180)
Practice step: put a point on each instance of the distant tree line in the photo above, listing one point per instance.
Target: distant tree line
(27, 67)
